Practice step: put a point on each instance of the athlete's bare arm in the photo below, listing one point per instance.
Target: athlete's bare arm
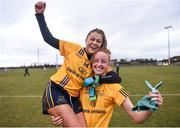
(141, 116)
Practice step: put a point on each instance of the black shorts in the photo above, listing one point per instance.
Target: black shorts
(55, 95)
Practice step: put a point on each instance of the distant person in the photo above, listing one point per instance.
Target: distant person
(117, 65)
(44, 68)
(26, 71)
(5, 69)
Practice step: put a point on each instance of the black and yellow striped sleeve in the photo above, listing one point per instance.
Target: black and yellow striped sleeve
(123, 92)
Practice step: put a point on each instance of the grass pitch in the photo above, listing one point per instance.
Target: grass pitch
(20, 97)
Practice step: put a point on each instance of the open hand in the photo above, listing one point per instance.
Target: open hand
(57, 120)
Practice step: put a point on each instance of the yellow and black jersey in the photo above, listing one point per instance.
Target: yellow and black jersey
(74, 70)
(99, 113)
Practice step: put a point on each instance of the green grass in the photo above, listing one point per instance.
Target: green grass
(26, 111)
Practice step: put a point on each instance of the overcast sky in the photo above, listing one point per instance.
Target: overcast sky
(134, 28)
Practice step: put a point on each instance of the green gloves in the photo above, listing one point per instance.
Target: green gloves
(146, 103)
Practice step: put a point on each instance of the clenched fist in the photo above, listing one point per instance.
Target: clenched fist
(40, 7)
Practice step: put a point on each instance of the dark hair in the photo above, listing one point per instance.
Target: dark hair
(99, 31)
(105, 50)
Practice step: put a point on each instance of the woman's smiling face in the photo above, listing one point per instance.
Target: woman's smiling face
(100, 63)
(93, 42)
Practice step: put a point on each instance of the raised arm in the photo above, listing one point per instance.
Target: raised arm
(47, 36)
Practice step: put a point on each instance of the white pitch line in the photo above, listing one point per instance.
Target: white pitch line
(171, 94)
(18, 96)
(31, 96)
(161, 94)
